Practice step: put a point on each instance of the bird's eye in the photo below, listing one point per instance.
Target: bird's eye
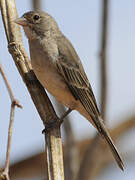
(36, 17)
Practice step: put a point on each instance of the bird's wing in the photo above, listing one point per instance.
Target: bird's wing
(70, 67)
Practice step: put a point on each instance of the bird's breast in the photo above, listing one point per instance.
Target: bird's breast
(47, 74)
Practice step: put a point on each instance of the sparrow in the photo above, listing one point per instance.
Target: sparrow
(59, 69)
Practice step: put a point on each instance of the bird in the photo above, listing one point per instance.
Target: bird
(58, 67)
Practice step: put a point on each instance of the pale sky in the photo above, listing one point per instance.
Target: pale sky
(80, 22)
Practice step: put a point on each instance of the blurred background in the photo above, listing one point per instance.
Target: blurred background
(80, 21)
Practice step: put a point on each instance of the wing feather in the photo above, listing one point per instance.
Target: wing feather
(70, 67)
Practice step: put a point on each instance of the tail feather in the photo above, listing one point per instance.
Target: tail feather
(105, 134)
(98, 123)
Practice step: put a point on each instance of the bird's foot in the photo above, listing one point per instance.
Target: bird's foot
(64, 115)
(57, 123)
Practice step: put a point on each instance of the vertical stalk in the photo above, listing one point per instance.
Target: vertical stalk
(103, 55)
(37, 92)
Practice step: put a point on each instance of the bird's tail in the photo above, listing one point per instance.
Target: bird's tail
(98, 123)
(105, 134)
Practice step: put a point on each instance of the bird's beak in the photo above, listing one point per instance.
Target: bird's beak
(21, 21)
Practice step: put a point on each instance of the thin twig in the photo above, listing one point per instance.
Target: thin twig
(89, 163)
(14, 102)
(36, 4)
(9, 88)
(10, 135)
(103, 53)
(37, 92)
(5, 173)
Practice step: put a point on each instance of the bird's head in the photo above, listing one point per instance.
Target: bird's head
(37, 24)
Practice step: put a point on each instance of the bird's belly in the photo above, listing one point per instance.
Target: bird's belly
(55, 85)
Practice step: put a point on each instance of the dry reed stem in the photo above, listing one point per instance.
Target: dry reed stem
(37, 92)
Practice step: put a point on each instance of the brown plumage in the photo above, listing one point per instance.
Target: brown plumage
(59, 69)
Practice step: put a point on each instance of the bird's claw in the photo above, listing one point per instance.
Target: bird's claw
(57, 123)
